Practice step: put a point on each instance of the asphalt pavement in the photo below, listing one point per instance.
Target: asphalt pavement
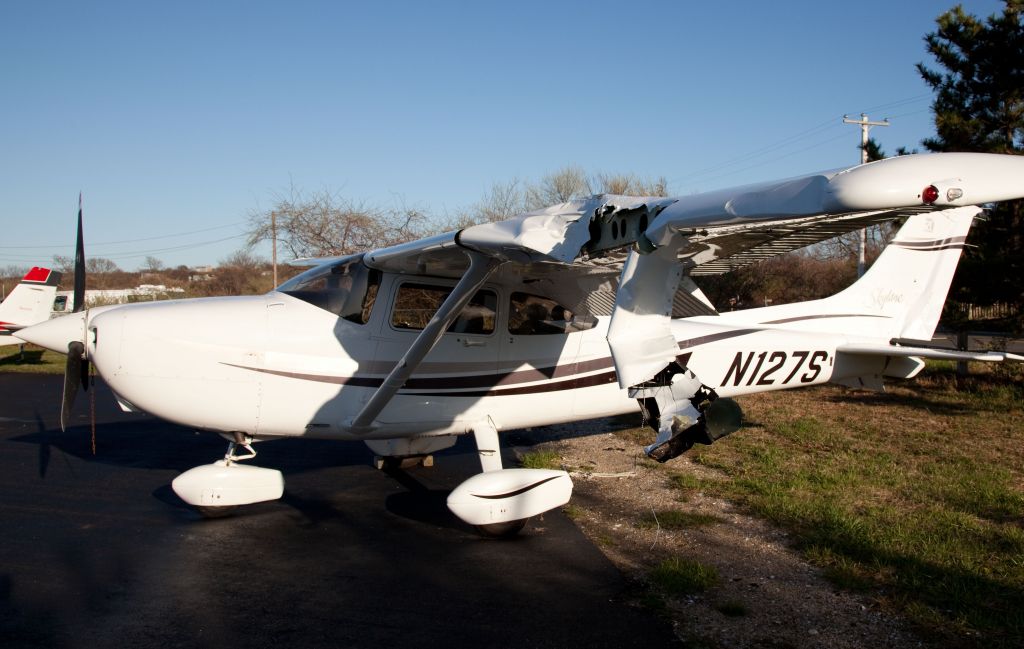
(98, 551)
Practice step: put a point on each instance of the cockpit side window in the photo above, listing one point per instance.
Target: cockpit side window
(346, 288)
(417, 303)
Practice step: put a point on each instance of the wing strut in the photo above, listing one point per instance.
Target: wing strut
(480, 268)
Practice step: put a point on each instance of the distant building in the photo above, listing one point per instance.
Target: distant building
(201, 273)
(64, 302)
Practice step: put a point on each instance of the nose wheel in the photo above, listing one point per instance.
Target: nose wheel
(216, 511)
(501, 530)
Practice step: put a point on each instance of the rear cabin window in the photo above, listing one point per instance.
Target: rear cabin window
(532, 315)
(416, 304)
(346, 288)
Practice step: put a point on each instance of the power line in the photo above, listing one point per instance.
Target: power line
(112, 243)
(780, 144)
(39, 258)
(897, 104)
(818, 130)
(776, 158)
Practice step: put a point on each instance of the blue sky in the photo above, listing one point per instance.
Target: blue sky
(176, 120)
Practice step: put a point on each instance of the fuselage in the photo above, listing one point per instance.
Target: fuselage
(278, 365)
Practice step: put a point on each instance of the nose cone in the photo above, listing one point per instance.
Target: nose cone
(57, 333)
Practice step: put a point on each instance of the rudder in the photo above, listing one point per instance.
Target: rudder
(908, 283)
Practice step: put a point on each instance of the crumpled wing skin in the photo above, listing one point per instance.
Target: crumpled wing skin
(554, 234)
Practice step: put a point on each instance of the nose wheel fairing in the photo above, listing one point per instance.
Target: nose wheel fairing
(216, 488)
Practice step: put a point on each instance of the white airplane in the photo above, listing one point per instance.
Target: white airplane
(28, 303)
(576, 311)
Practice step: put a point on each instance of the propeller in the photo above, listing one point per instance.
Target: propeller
(76, 372)
(76, 368)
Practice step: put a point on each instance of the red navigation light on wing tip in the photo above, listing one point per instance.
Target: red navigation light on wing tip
(930, 194)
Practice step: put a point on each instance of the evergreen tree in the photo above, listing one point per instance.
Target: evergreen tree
(979, 106)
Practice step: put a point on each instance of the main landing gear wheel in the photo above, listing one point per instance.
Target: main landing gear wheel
(502, 530)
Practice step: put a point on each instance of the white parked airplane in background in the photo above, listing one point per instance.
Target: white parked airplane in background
(576, 311)
(28, 303)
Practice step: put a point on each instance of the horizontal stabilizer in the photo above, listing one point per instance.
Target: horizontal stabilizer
(927, 352)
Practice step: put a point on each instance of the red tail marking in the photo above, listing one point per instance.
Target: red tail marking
(37, 274)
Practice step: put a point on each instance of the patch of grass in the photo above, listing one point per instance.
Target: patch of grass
(676, 520)
(35, 360)
(677, 576)
(574, 512)
(916, 495)
(684, 482)
(541, 460)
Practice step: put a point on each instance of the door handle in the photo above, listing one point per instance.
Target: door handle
(466, 342)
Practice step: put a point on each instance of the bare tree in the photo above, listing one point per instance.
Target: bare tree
(243, 260)
(99, 265)
(152, 265)
(502, 201)
(631, 185)
(846, 246)
(558, 187)
(326, 224)
(14, 272)
(64, 264)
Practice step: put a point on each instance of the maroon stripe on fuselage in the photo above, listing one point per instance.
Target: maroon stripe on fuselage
(552, 378)
(549, 375)
(824, 315)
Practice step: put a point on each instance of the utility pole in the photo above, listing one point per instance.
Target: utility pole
(865, 126)
(273, 237)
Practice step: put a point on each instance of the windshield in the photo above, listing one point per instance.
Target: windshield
(346, 288)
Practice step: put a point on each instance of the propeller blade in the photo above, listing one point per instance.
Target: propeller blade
(72, 378)
(79, 291)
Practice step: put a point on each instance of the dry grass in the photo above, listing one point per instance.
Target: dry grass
(917, 493)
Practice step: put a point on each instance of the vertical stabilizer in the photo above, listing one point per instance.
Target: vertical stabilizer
(28, 303)
(908, 283)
